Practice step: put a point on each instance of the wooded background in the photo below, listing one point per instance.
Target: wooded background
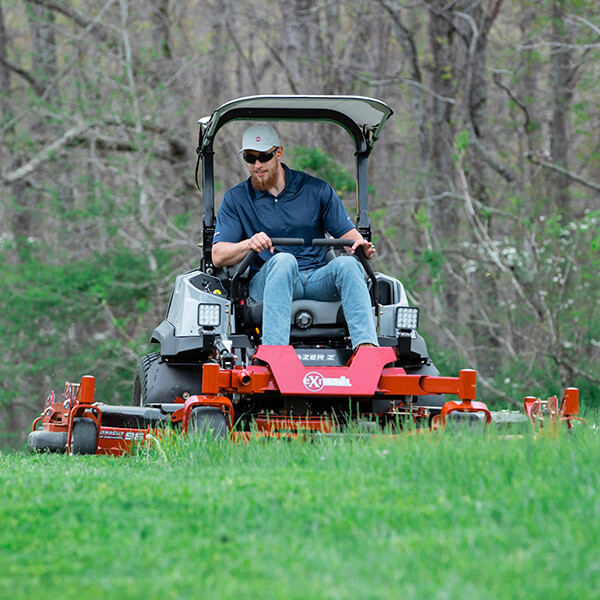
(485, 182)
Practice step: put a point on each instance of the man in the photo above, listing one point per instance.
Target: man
(279, 202)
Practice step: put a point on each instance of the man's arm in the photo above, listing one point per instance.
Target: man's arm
(359, 240)
(225, 254)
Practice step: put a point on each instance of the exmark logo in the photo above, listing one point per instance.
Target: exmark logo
(314, 381)
(109, 434)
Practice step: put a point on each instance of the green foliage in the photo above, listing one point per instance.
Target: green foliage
(118, 276)
(462, 140)
(556, 262)
(183, 221)
(516, 202)
(434, 260)
(422, 217)
(317, 162)
(64, 320)
(382, 225)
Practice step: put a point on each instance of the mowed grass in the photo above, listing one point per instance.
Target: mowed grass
(432, 516)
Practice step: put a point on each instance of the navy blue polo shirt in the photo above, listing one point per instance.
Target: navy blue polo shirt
(306, 208)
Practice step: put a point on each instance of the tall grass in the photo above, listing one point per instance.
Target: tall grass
(429, 516)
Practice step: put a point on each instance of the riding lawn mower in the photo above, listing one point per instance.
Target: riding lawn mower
(212, 376)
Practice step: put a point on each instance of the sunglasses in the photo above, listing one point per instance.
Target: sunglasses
(263, 157)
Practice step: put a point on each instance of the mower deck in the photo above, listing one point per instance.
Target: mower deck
(77, 424)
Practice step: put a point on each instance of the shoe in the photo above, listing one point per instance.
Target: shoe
(366, 345)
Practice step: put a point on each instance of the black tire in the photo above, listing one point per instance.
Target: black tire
(208, 421)
(47, 441)
(157, 382)
(85, 436)
(146, 365)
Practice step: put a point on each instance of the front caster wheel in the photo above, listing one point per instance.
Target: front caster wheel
(208, 421)
(85, 436)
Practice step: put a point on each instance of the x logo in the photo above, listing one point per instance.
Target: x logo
(313, 381)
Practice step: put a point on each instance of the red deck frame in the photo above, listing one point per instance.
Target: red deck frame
(364, 376)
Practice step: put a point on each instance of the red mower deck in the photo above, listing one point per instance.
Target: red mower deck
(72, 417)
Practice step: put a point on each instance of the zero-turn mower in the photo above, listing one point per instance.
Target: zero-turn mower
(212, 374)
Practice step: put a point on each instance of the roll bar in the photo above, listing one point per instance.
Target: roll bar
(362, 117)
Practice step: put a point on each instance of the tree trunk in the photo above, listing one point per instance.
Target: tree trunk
(7, 154)
(4, 71)
(562, 94)
(475, 24)
(45, 65)
(162, 21)
(297, 38)
(442, 82)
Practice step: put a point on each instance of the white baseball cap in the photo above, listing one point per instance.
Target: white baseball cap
(260, 138)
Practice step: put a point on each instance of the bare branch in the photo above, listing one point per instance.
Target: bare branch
(487, 243)
(496, 77)
(245, 58)
(275, 54)
(32, 81)
(91, 25)
(558, 45)
(45, 154)
(573, 366)
(534, 158)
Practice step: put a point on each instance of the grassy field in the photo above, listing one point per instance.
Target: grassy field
(433, 516)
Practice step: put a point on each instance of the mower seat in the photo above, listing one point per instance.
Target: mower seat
(310, 319)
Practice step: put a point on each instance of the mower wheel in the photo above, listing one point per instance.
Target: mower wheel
(208, 421)
(157, 382)
(85, 436)
(47, 441)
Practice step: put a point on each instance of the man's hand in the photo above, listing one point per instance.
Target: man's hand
(359, 240)
(261, 241)
(226, 254)
(367, 247)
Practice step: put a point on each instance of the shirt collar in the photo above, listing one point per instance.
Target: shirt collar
(291, 184)
(291, 179)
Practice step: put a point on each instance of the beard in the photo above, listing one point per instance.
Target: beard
(265, 182)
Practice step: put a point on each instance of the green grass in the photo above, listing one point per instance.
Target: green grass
(433, 516)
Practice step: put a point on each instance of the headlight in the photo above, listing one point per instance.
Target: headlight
(209, 315)
(407, 317)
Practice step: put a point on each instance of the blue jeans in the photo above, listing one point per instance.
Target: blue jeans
(279, 281)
